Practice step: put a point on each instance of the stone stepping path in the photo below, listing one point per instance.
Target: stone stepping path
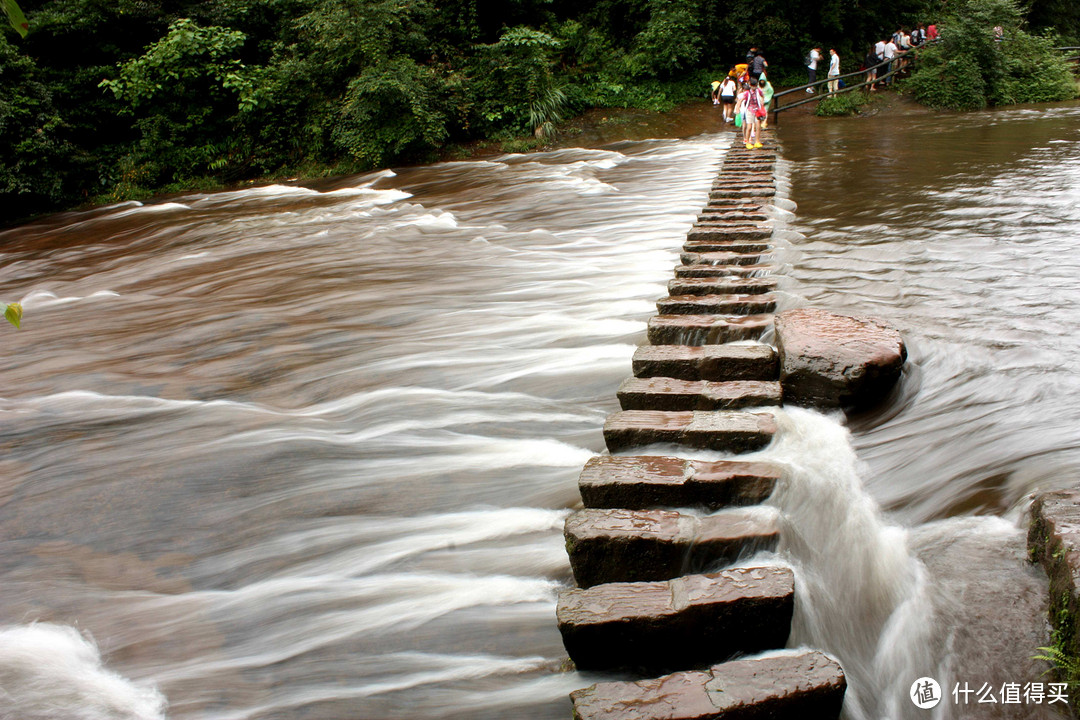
(716, 304)
(706, 329)
(721, 286)
(677, 624)
(726, 431)
(666, 393)
(707, 362)
(642, 482)
(641, 551)
(620, 545)
(802, 686)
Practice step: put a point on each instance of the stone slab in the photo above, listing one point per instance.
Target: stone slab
(716, 304)
(804, 685)
(654, 481)
(833, 360)
(677, 624)
(721, 286)
(706, 329)
(714, 233)
(707, 362)
(734, 245)
(1054, 542)
(700, 271)
(747, 193)
(621, 545)
(725, 431)
(665, 393)
(720, 258)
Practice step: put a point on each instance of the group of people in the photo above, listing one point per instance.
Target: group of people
(891, 49)
(745, 94)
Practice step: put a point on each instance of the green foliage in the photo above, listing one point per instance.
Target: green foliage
(33, 150)
(1066, 665)
(849, 103)
(112, 100)
(970, 70)
(390, 113)
(15, 16)
(13, 313)
(948, 83)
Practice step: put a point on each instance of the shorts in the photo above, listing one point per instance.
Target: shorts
(727, 99)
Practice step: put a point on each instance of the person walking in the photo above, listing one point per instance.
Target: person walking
(727, 97)
(811, 67)
(879, 51)
(757, 66)
(768, 91)
(890, 56)
(931, 32)
(754, 107)
(870, 64)
(834, 70)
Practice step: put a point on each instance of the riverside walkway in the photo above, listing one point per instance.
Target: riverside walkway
(650, 600)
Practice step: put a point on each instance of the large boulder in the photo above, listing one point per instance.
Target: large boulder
(832, 360)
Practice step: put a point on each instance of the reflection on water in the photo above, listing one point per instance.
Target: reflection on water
(288, 453)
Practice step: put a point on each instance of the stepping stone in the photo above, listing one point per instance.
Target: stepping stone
(622, 545)
(665, 393)
(833, 360)
(734, 206)
(715, 216)
(677, 624)
(720, 258)
(725, 431)
(714, 271)
(747, 193)
(716, 304)
(721, 286)
(736, 246)
(707, 362)
(706, 329)
(714, 234)
(799, 685)
(649, 481)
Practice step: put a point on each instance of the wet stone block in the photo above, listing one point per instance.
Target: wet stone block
(802, 685)
(706, 329)
(716, 304)
(655, 481)
(747, 193)
(712, 271)
(664, 393)
(720, 258)
(1054, 542)
(732, 246)
(716, 233)
(677, 624)
(725, 431)
(621, 545)
(707, 362)
(721, 286)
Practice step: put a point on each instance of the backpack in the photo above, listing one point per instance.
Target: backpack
(807, 60)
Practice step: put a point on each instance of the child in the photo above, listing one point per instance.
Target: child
(727, 97)
(754, 107)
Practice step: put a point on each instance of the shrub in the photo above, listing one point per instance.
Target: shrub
(947, 83)
(848, 103)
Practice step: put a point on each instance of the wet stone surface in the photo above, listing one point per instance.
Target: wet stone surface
(833, 360)
(726, 431)
(677, 624)
(806, 685)
(716, 304)
(706, 329)
(665, 393)
(720, 286)
(618, 545)
(651, 481)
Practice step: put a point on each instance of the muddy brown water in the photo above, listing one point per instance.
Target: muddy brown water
(296, 453)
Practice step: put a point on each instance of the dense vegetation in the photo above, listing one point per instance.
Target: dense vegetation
(969, 69)
(108, 100)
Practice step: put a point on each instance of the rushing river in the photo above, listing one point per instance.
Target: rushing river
(290, 452)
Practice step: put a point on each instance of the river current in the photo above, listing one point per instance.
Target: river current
(305, 452)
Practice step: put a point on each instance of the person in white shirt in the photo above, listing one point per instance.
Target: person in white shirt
(834, 70)
(815, 55)
(890, 55)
